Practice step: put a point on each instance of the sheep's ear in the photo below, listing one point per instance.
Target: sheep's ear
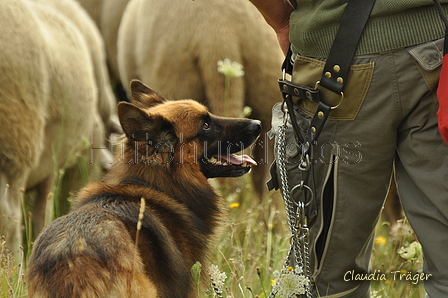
(143, 96)
(138, 125)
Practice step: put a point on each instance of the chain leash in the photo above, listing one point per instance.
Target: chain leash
(299, 250)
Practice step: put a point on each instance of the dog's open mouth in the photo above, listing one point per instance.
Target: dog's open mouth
(232, 159)
(229, 165)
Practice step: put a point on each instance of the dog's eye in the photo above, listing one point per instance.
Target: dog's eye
(206, 126)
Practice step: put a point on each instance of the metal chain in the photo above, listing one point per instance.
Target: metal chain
(299, 246)
(281, 162)
(289, 205)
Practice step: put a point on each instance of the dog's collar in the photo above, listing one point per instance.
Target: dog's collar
(139, 182)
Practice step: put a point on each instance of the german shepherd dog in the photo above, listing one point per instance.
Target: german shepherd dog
(138, 232)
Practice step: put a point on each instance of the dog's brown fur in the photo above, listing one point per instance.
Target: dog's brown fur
(94, 252)
(186, 39)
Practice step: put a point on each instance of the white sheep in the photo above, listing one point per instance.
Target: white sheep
(52, 103)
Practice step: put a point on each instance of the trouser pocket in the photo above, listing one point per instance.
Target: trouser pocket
(428, 57)
(327, 203)
(307, 71)
(327, 213)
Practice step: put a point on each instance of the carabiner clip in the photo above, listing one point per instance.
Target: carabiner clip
(302, 221)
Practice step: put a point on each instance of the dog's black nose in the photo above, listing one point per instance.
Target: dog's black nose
(255, 127)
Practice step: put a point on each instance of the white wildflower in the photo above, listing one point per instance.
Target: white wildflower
(291, 282)
(411, 252)
(375, 294)
(218, 279)
(231, 69)
(246, 112)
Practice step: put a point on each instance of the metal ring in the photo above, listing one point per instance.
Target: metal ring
(295, 187)
(317, 85)
(284, 111)
(301, 186)
(312, 195)
(342, 99)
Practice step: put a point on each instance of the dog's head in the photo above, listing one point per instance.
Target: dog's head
(185, 132)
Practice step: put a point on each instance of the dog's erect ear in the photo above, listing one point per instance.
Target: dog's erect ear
(143, 96)
(139, 126)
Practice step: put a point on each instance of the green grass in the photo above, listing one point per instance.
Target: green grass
(253, 245)
(12, 275)
(385, 258)
(256, 240)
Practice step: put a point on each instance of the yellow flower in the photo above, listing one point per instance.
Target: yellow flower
(380, 240)
(234, 205)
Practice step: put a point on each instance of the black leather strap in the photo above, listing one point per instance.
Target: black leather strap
(335, 72)
(318, 121)
(301, 91)
(344, 45)
(287, 64)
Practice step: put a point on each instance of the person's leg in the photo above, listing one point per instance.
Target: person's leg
(363, 150)
(422, 166)
(422, 180)
(351, 174)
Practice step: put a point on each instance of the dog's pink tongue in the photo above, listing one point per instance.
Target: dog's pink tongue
(237, 159)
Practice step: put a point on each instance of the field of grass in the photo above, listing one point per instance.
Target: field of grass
(256, 240)
(252, 248)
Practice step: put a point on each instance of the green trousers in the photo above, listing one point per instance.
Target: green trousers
(386, 121)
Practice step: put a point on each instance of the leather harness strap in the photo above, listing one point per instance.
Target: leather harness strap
(334, 75)
(344, 45)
